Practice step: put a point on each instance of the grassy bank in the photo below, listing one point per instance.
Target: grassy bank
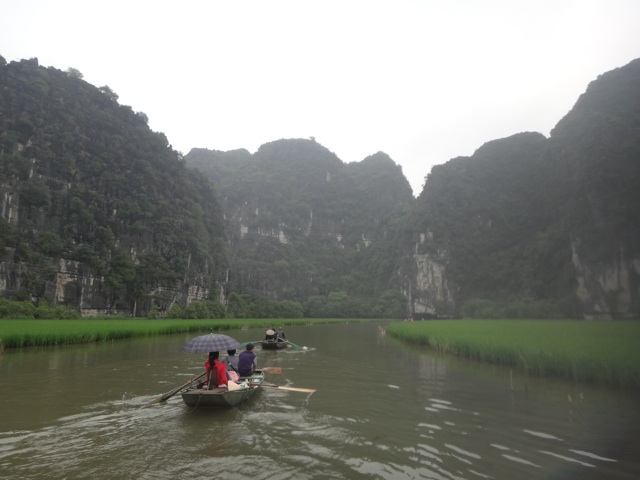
(598, 352)
(29, 333)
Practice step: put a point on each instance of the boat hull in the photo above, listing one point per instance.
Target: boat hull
(272, 345)
(223, 397)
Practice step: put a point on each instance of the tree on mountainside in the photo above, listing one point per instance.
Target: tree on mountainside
(75, 73)
(113, 96)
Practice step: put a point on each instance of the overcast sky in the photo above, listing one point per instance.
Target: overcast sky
(423, 81)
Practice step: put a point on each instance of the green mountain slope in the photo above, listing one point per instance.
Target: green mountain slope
(535, 226)
(99, 212)
(302, 224)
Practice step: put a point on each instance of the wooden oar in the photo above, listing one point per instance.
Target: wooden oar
(291, 389)
(298, 347)
(277, 370)
(170, 394)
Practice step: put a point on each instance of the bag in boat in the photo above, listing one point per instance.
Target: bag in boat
(233, 386)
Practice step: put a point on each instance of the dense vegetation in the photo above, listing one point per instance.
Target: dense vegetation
(37, 333)
(27, 310)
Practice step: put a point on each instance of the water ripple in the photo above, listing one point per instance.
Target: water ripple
(568, 459)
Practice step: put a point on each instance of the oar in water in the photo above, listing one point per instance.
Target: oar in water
(247, 343)
(291, 389)
(170, 394)
(296, 347)
(277, 370)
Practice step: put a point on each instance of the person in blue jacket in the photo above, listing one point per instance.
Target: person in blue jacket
(247, 362)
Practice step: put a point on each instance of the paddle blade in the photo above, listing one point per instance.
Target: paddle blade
(277, 370)
(296, 347)
(296, 389)
(154, 401)
(291, 389)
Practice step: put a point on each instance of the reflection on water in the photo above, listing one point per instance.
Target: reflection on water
(381, 411)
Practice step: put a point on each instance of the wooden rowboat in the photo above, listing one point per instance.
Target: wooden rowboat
(223, 397)
(273, 344)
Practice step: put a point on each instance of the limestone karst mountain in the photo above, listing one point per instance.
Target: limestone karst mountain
(101, 214)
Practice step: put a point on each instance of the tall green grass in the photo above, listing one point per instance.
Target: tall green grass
(29, 333)
(584, 351)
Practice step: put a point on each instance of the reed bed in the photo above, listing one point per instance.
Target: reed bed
(30, 333)
(582, 351)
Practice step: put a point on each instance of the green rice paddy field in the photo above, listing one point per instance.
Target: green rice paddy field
(585, 351)
(31, 333)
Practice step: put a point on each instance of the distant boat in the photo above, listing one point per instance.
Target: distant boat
(223, 397)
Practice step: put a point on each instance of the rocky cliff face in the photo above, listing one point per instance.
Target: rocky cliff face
(607, 291)
(63, 280)
(432, 297)
(604, 291)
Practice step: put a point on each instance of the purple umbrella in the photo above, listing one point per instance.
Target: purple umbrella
(212, 342)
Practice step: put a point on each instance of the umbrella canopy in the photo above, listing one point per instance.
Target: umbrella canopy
(212, 342)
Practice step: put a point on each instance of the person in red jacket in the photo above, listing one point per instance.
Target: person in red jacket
(216, 371)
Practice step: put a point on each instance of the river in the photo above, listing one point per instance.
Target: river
(381, 410)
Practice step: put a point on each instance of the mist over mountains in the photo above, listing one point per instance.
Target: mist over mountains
(101, 214)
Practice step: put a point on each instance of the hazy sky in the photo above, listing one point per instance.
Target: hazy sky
(423, 81)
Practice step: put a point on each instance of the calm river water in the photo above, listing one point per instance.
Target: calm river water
(382, 410)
